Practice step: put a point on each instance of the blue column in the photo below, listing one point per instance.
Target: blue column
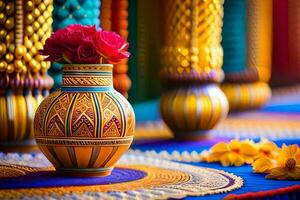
(234, 36)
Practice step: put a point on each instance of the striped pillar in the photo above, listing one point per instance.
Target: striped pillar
(247, 67)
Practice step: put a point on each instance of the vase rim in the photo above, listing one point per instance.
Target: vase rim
(104, 65)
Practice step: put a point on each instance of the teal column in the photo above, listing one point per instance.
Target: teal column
(144, 40)
(234, 36)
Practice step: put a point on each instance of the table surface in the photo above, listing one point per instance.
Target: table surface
(252, 182)
(288, 103)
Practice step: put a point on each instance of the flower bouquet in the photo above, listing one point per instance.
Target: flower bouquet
(86, 126)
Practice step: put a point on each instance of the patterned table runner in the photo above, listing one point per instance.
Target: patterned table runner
(136, 176)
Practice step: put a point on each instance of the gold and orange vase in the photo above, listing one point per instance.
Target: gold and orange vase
(192, 102)
(86, 126)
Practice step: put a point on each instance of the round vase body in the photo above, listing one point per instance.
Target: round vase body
(190, 111)
(85, 127)
(246, 96)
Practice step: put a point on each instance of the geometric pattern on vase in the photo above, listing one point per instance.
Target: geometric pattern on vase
(82, 127)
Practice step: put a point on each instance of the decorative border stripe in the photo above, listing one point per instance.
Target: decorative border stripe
(82, 142)
(87, 89)
(91, 72)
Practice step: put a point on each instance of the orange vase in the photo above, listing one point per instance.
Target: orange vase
(85, 127)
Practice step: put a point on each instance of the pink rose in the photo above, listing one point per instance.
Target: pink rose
(85, 44)
(111, 46)
(72, 44)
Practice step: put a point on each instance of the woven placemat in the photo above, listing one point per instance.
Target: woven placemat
(135, 177)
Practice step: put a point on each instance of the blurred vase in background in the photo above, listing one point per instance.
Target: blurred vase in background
(192, 57)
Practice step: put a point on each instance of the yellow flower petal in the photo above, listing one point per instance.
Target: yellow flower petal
(262, 165)
(232, 158)
(266, 145)
(248, 148)
(220, 147)
(234, 144)
(290, 150)
(277, 173)
(293, 174)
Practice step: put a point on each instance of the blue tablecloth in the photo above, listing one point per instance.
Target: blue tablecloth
(252, 182)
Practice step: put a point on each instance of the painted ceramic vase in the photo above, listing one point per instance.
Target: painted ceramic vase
(86, 126)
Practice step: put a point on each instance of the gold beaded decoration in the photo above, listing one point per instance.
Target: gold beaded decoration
(192, 39)
(24, 27)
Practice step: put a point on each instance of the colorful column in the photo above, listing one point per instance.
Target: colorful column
(113, 17)
(247, 57)
(192, 56)
(286, 38)
(144, 40)
(85, 12)
(24, 27)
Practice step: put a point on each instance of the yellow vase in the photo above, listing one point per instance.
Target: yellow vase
(85, 127)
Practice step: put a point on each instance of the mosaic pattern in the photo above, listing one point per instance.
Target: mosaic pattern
(164, 179)
(87, 124)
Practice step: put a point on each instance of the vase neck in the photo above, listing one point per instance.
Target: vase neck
(93, 78)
